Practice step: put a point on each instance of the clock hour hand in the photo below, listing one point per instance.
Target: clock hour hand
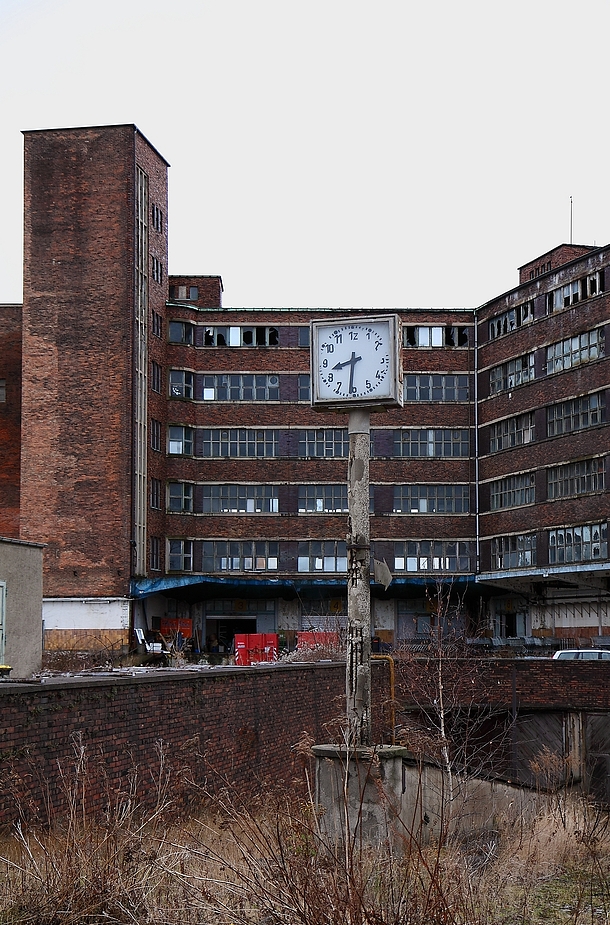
(351, 363)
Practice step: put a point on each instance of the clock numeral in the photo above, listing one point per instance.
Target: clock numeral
(338, 389)
(330, 377)
(324, 363)
(379, 375)
(353, 335)
(369, 385)
(330, 348)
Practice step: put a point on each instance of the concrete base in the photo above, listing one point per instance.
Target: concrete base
(360, 792)
(386, 796)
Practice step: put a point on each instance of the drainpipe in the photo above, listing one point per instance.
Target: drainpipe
(390, 661)
(476, 441)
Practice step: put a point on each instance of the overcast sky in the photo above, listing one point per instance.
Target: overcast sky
(332, 152)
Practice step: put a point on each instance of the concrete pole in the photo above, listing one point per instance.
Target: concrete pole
(358, 671)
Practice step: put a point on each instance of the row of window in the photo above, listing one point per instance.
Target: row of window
(511, 319)
(584, 543)
(424, 335)
(563, 481)
(266, 387)
(567, 480)
(185, 497)
(313, 556)
(565, 417)
(564, 354)
(558, 299)
(575, 291)
(580, 543)
(437, 387)
(184, 332)
(324, 442)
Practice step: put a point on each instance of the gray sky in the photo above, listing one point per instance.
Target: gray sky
(332, 152)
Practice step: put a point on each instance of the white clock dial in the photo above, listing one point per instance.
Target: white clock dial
(353, 360)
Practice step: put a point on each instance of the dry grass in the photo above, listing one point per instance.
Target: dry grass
(267, 862)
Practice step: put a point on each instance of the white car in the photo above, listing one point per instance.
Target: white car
(589, 654)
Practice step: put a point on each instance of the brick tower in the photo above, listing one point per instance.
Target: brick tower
(95, 273)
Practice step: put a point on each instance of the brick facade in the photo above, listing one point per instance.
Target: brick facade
(10, 418)
(155, 420)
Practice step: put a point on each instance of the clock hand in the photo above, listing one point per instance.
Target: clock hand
(351, 363)
(353, 359)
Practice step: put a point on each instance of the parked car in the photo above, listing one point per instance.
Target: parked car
(588, 654)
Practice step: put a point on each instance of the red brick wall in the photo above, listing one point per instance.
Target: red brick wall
(236, 725)
(10, 419)
(78, 351)
(229, 724)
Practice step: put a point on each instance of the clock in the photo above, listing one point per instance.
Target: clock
(355, 362)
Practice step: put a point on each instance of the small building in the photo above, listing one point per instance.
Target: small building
(20, 606)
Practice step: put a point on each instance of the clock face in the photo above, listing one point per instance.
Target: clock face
(354, 361)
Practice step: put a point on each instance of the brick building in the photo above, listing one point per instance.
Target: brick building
(173, 466)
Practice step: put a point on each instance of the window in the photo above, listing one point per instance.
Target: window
(431, 443)
(155, 553)
(180, 497)
(157, 324)
(240, 336)
(248, 556)
(240, 499)
(513, 491)
(180, 293)
(512, 432)
(2, 390)
(181, 555)
(431, 556)
(240, 442)
(155, 435)
(303, 336)
(517, 551)
(575, 291)
(574, 414)
(157, 218)
(304, 386)
(180, 441)
(322, 499)
(511, 320)
(576, 478)
(431, 499)
(435, 388)
(434, 336)
(511, 374)
(157, 270)
(326, 442)
(155, 493)
(180, 332)
(322, 556)
(241, 387)
(578, 544)
(540, 269)
(582, 348)
(180, 383)
(259, 337)
(155, 377)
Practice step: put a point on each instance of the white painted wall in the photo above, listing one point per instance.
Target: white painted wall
(85, 613)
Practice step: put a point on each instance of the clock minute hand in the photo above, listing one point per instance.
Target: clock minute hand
(351, 363)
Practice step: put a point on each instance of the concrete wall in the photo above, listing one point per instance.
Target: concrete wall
(21, 577)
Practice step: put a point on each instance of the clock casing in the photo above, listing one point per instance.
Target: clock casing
(355, 363)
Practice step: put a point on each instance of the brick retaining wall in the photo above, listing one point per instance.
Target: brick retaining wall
(236, 724)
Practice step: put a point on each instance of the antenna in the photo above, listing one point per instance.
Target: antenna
(570, 219)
